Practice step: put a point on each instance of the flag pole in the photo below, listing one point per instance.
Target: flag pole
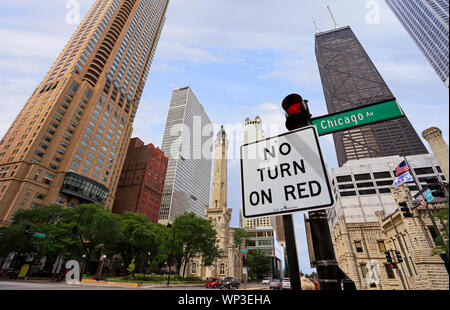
(419, 187)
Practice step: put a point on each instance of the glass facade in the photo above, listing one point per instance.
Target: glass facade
(84, 188)
(187, 142)
(426, 21)
(350, 80)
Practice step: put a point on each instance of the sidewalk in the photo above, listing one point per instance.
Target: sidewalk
(90, 282)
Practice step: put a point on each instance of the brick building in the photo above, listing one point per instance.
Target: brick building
(141, 181)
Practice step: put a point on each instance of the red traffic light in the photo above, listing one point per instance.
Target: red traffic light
(292, 104)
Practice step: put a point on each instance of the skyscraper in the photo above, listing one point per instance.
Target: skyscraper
(426, 21)
(187, 142)
(141, 181)
(68, 143)
(349, 80)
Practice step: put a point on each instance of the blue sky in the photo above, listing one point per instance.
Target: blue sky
(240, 57)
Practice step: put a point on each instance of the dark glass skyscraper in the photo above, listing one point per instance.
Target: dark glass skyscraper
(349, 80)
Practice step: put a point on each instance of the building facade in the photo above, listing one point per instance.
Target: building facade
(229, 264)
(426, 21)
(141, 181)
(68, 143)
(187, 142)
(439, 147)
(350, 80)
(360, 249)
(361, 187)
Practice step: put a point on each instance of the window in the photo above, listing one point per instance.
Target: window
(194, 268)
(364, 269)
(363, 176)
(381, 246)
(427, 170)
(222, 269)
(74, 86)
(344, 178)
(367, 192)
(346, 186)
(349, 193)
(381, 175)
(358, 246)
(364, 184)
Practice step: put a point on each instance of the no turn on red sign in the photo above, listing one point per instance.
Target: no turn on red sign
(284, 174)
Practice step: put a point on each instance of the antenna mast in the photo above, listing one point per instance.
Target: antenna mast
(332, 17)
(315, 25)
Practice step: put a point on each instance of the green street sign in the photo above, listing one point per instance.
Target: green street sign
(244, 251)
(39, 235)
(357, 117)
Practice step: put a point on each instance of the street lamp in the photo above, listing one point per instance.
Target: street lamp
(171, 254)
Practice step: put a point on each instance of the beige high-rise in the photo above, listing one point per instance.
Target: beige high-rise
(440, 149)
(68, 143)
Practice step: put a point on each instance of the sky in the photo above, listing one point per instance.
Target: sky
(240, 57)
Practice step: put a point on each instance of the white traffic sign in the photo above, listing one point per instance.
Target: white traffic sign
(284, 174)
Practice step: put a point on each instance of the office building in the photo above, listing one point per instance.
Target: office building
(350, 80)
(361, 187)
(187, 142)
(69, 141)
(426, 21)
(141, 181)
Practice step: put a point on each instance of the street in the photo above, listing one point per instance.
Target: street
(44, 285)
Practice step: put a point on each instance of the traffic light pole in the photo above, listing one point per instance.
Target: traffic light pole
(291, 252)
(329, 274)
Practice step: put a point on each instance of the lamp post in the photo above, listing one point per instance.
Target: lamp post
(171, 254)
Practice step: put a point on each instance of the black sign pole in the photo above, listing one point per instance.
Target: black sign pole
(291, 252)
(329, 274)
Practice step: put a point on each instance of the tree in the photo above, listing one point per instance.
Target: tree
(194, 236)
(258, 264)
(138, 237)
(93, 227)
(240, 234)
(442, 240)
(48, 220)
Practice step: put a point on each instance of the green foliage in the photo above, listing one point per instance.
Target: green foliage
(193, 236)
(258, 264)
(239, 234)
(91, 229)
(131, 266)
(442, 241)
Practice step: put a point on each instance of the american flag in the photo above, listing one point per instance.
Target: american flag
(401, 168)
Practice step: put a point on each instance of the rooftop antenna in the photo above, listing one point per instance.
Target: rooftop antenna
(332, 17)
(315, 25)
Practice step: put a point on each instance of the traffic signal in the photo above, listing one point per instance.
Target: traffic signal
(405, 209)
(170, 257)
(435, 187)
(244, 260)
(399, 256)
(297, 112)
(27, 229)
(393, 265)
(388, 256)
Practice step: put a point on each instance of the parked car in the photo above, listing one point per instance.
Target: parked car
(12, 273)
(229, 283)
(275, 284)
(214, 283)
(286, 284)
(266, 280)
